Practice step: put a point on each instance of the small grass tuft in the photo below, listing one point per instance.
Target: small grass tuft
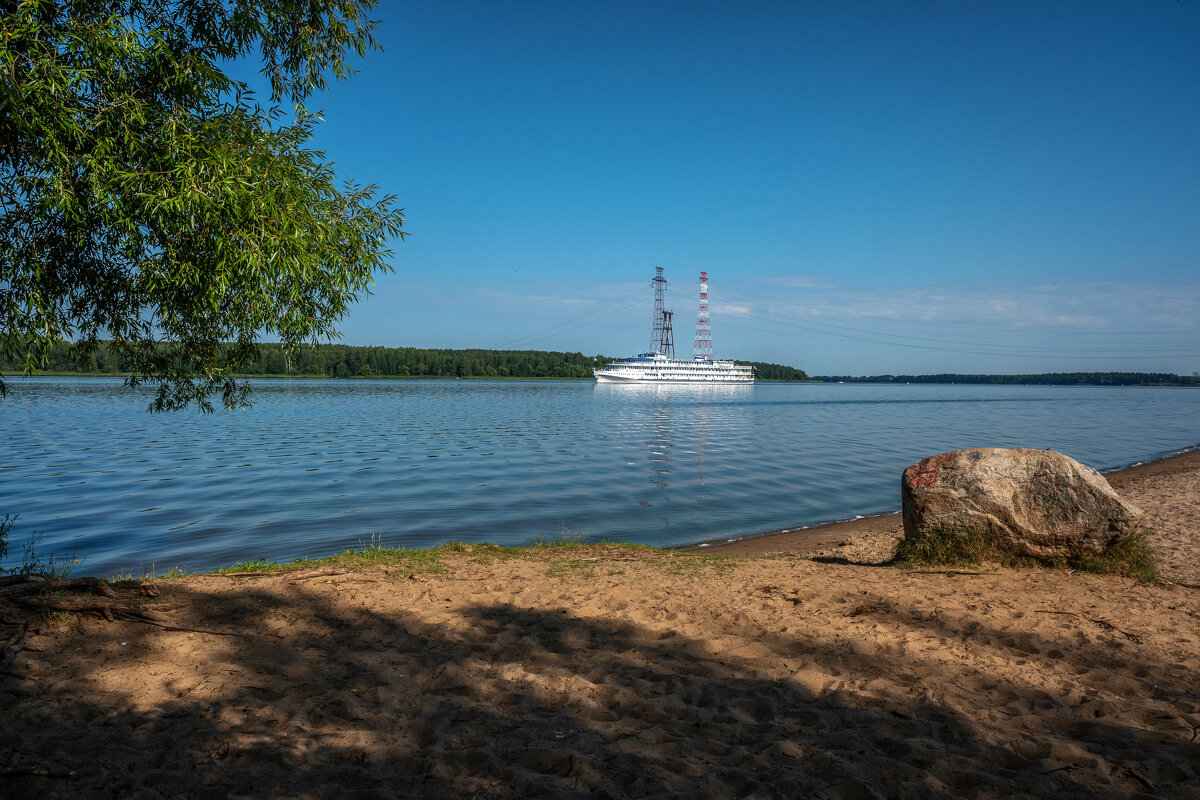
(946, 548)
(565, 537)
(120, 578)
(570, 569)
(485, 553)
(375, 555)
(262, 565)
(33, 562)
(1131, 556)
(428, 562)
(58, 619)
(6, 526)
(676, 562)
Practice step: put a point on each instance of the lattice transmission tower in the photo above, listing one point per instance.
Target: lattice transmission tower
(662, 338)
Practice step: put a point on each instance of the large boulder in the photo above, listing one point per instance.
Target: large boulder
(1036, 503)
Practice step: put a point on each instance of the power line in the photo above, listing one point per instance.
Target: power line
(982, 329)
(574, 324)
(1060, 356)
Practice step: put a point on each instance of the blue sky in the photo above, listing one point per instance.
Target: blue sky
(873, 187)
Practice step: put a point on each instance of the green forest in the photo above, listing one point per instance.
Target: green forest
(1046, 378)
(345, 361)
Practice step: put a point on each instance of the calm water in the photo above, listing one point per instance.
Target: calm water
(319, 466)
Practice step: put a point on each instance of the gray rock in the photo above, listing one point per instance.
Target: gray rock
(1036, 503)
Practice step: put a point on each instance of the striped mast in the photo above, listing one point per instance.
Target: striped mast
(702, 350)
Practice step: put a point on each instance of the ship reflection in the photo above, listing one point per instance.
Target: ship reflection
(682, 391)
(660, 445)
(680, 416)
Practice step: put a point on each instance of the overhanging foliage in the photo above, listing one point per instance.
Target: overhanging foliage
(146, 198)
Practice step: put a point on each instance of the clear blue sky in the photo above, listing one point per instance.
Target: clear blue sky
(900, 187)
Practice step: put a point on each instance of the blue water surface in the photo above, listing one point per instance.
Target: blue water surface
(318, 466)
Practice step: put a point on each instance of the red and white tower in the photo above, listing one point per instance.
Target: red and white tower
(702, 350)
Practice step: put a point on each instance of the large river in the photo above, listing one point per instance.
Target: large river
(318, 466)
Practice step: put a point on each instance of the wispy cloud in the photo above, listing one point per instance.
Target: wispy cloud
(733, 309)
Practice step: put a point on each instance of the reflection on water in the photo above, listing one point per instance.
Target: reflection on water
(660, 445)
(671, 426)
(318, 466)
(703, 417)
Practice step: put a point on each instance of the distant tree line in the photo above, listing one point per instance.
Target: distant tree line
(345, 361)
(776, 372)
(1056, 378)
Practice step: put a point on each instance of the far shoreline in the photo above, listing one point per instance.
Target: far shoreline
(249, 378)
(757, 380)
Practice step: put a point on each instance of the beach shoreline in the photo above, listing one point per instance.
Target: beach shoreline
(610, 671)
(881, 532)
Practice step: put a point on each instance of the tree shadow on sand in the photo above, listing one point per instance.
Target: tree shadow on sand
(505, 701)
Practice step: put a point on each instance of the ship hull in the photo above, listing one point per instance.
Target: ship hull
(657, 369)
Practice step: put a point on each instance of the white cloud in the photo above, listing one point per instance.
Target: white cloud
(732, 309)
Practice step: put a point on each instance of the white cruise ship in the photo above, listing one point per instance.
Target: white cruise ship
(659, 365)
(657, 368)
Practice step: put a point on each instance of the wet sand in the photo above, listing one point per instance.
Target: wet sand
(609, 672)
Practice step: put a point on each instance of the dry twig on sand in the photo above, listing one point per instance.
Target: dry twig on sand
(1101, 623)
(316, 573)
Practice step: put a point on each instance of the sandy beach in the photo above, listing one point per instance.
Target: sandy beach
(790, 666)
